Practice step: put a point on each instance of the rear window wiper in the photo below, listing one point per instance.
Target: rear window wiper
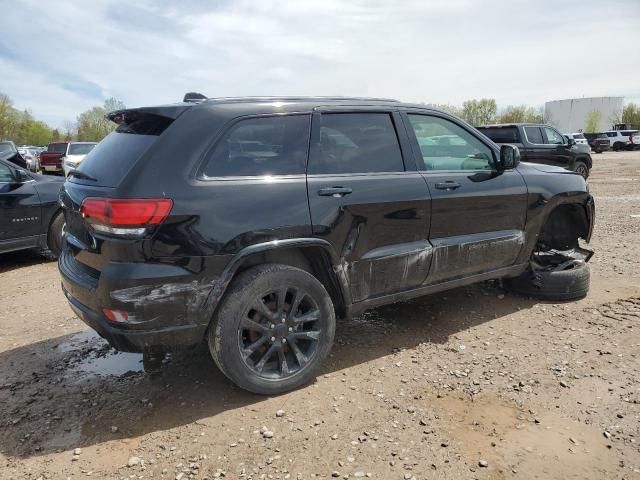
(83, 175)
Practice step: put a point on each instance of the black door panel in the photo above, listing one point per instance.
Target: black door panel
(374, 213)
(379, 229)
(477, 213)
(20, 211)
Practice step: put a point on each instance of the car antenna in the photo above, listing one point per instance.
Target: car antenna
(193, 97)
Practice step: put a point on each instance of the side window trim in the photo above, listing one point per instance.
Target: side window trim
(198, 171)
(417, 153)
(314, 138)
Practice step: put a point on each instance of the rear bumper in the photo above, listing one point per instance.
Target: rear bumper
(165, 305)
(169, 338)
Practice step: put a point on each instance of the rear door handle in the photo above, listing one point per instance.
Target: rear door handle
(336, 192)
(448, 185)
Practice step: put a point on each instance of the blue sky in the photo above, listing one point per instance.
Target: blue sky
(61, 58)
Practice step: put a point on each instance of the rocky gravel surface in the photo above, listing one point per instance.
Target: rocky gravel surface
(472, 383)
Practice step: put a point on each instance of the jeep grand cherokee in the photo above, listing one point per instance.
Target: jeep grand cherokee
(257, 223)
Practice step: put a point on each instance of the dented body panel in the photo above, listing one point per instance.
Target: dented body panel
(395, 236)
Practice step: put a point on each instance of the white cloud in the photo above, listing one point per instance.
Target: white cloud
(76, 53)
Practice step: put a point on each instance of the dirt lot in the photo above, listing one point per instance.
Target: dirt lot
(472, 383)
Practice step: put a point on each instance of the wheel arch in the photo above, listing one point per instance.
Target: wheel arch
(586, 160)
(565, 223)
(313, 255)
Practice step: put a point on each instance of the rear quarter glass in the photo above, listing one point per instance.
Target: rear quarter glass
(113, 157)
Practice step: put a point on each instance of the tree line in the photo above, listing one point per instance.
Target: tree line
(21, 127)
(93, 126)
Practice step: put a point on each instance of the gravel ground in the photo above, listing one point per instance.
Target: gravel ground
(471, 383)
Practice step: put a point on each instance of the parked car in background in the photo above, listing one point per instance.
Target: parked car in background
(53, 160)
(30, 215)
(541, 144)
(285, 214)
(31, 156)
(76, 153)
(622, 139)
(599, 142)
(578, 137)
(10, 153)
(634, 138)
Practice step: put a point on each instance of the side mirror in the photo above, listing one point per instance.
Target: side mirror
(571, 142)
(509, 157)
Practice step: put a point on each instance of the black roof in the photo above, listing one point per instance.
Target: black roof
(515, 124)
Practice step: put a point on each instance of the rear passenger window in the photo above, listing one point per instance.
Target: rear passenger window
(534, 135)
(446, 146)
(356, 143)
(262, 146)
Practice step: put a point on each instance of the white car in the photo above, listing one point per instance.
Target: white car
(623, 139)
(75, 155)
(578, 137)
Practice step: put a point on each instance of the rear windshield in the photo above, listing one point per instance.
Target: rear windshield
(7, 147)
(502, 134)
(57, 147)
(110, 160)
(80, 148)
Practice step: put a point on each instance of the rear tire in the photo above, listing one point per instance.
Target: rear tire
(54, 237)
(568, 283)
(273, 329)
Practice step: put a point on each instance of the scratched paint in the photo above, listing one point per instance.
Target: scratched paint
(192, 293)
(470, 257)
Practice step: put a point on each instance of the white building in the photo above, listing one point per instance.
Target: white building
(571, 115)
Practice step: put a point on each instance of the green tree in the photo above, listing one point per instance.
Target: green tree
(93, 125)
(445, 107)
(8, 118)
(592, 121)
(479, 112)
(520, 114)
(631, 115)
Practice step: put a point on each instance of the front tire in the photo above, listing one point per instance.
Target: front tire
(582, 169)
(274, 327)
(558, 278)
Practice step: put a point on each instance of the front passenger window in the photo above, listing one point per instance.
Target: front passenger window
(447, 146)
(553, 137)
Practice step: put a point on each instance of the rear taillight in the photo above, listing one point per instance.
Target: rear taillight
(120, 216)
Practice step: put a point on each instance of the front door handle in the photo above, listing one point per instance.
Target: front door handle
(448, 185)
(336, 192)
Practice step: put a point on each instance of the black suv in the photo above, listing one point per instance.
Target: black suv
(599, 142)
(541, 144)
(255, 223)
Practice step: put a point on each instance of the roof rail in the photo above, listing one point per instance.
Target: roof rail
(193, 97)
(297, 98)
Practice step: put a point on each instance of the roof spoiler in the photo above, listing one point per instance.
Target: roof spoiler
(193, 97)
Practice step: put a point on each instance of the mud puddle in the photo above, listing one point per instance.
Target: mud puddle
(91, 355)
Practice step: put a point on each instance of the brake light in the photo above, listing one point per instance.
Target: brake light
(125, 216)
